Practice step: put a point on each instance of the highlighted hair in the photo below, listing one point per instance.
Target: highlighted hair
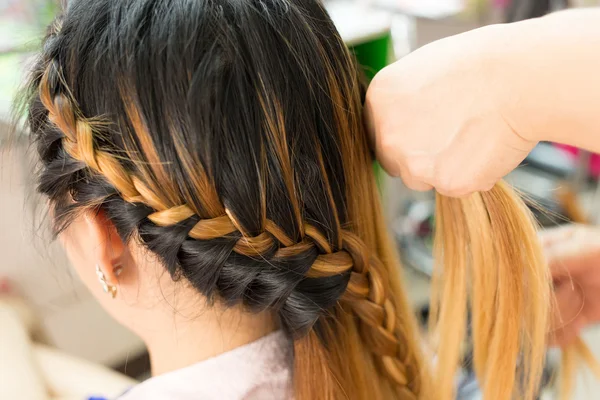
(493, 265)
(232, 146)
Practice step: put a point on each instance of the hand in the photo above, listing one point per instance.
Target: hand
(440, 118)
(573, 254)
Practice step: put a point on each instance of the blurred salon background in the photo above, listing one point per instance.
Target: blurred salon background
(82, 351)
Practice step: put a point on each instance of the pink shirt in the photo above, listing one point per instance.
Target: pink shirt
(260, 370)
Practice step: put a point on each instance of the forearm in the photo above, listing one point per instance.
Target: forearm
(554, 90)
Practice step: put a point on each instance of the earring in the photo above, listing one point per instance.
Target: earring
(108, 288)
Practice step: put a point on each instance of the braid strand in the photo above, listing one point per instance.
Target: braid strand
(367, 288)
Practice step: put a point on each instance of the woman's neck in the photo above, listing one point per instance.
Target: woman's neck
(178, 341)
(178, 326)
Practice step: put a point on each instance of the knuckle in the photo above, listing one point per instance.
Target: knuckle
(418, 186)
(448, 192)
(391, 166)
(389, 158)
(487, 187)
(452, 187)
(415, 171)
(387, 144)
(420, 168)
(460, 183)
(415, 184)
(444, 183)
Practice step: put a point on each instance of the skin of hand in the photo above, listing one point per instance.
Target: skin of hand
(573, 254)
(439, 116)
(462, 112)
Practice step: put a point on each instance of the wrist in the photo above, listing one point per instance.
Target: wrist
(514, 68)
(549, 65)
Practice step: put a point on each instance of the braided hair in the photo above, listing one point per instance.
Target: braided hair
(226, 136)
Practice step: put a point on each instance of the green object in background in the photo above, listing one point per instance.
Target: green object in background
(373, 56)
(379, 173)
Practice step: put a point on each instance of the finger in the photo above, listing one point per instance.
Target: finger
(457, 193)
(413, 178)
(395, 168)
(414, 184)
(453, 185)
(389, 160)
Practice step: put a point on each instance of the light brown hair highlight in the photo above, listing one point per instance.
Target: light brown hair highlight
(244, 188)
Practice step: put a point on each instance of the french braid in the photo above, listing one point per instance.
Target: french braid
(366, 292)
(226, 136)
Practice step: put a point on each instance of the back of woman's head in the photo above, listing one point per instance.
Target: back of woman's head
(226, 136)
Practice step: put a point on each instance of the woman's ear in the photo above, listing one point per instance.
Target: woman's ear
(109, 251)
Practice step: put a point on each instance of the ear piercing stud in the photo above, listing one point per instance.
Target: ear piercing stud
(107, 287)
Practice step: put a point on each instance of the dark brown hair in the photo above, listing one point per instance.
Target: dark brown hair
(227, 137)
